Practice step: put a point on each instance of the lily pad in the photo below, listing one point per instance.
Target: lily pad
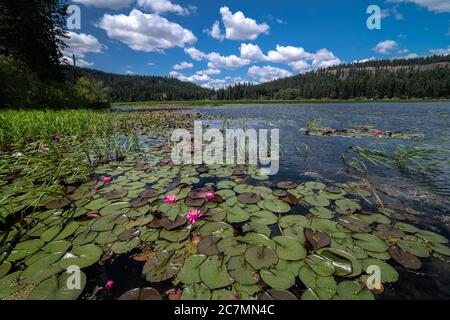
(353, 290)
(370, 242)
(278, 278)
(277, 206)
(213, 273)
(255, 239)
(43, 268)
(190, 274)
(241, 271)
(81, 256)
(317, 200)
(345, 264)
(196, 291)
(289, 248)
(231, 247)
(388, 273)
(237, 215)
(121, 247)
(108, 222)
(321, 266)
(404, 258)
(58, 289)
(287, 185)
(248, 198)
(161, 267)
(263, 217)
(414, 247)
(260, 257)
(141, 294)
(10, 284)
(208, 246)
(25, 249)
(432, 237)
(317, 239)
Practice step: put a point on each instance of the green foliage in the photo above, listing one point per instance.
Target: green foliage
(91, 93)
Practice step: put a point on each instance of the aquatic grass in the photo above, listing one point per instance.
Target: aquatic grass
(414, 161)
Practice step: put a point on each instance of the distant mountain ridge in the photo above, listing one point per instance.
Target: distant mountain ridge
(425, 77)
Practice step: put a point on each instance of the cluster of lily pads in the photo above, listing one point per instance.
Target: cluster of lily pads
(254, 239)
(362, 132)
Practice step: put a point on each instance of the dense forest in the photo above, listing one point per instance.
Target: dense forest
(32, 37)
(144, 88)
(427, 77)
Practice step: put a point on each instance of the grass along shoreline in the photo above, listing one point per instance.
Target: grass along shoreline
(238, 102)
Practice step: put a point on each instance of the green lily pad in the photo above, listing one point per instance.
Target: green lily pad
(404, 258)
(322, 212)
(57, 246)
(174, 235)
(388, 273)
(344, 263)
(278, 278)
(321, 266)
(81, 256)
(25, 249)
(315, 185)
(263, 217)
(10, 284)
(57, 289)
(260, 257)
(43, 268)
(241, 271)
(237, 215)
(220, 229)
(293, 220)
(213, 272)
(231, 247)
(414, 247)
(255, 239)
(4, 268)
(324, 287)
(190, 273)
(352, 290)
(432, 237)
(407, 227)
(197, 291)
(117, 207)
(162, 267)
(56, 233)
(277, 206)
(441, 249)
(369, 242)
(108, 222)
(121, 247)
(85, 237)
(248, 198)
(317, 200)
(289, 248)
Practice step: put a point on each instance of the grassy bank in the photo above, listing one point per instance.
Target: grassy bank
(234, 102)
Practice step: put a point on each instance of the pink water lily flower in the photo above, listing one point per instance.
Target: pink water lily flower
(210, 195)
(106, 180)
(109, 284)
(171, 199)
(166, 162)
(379, 133)
(193, 216)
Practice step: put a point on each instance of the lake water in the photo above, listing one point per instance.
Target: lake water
(426, 195)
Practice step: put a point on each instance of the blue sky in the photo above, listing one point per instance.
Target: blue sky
(217, 43)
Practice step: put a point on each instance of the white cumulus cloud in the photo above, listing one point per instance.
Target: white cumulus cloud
(441, 52)
(162, 6)
(386, 46)
(239, 27)
(252, 52)
(146, 32)
(267, 73)
(106, 4)
(81, 44)
(183, 65)
(432, 5)
(215, 31)
(216, 60)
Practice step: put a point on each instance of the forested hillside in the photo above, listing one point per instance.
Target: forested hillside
(145, 88)
(427, 77)
(413, 78)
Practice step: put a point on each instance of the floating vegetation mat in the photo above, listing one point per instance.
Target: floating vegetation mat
(216, 232)
(195, 232)
(362, 132)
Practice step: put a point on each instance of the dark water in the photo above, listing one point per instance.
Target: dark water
(428, 196)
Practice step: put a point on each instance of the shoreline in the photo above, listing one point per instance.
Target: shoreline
(211, 103)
